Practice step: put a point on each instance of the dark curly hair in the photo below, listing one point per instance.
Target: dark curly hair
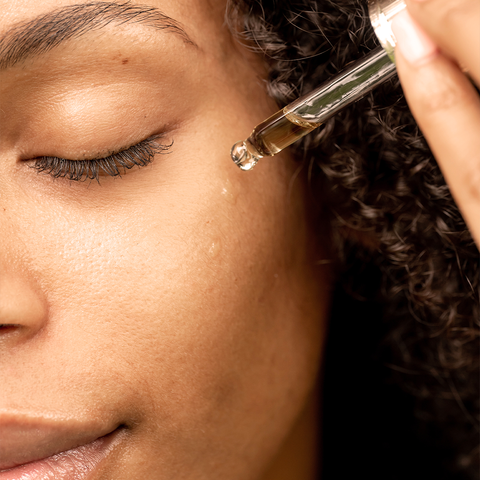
(404, 255)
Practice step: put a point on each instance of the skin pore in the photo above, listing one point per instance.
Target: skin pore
(182, 301)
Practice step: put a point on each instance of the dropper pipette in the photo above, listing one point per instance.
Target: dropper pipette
(312, 110)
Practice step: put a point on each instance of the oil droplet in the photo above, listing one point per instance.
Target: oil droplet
(244, 155)
(228, 192)
(215, 248)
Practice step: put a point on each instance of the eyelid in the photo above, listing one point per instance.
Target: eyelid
(151, 139)
(140, 154)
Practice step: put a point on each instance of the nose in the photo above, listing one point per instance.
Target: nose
(23, 311)
(23, 305)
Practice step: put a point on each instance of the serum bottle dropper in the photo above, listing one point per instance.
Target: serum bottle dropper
(312, 110)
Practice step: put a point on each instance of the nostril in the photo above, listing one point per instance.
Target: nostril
(8, 331)
(23, 310)
(6, 328)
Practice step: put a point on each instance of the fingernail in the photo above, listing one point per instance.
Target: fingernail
(414, 44)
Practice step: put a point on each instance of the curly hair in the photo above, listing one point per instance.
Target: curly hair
(399, 241)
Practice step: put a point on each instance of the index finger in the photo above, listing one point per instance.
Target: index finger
(454, 25)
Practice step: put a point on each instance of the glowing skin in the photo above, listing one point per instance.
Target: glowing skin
(181, 300)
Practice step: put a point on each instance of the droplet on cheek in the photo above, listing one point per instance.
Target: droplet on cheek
(229, 193)
(215, 249)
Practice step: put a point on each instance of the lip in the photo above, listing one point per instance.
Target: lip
(33, 447)
(78, 463)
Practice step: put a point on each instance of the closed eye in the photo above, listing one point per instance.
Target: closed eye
(115, 165)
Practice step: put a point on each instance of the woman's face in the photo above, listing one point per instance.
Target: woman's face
(178, 306)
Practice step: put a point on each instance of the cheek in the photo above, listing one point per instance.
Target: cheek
(184, 263)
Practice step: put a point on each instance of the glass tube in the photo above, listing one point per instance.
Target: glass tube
(312, 110)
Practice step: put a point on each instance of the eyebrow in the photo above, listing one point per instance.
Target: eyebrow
(46, 32)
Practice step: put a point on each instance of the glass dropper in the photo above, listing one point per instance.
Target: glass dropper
(312, 110)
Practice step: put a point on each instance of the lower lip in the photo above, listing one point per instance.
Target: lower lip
(78, 463)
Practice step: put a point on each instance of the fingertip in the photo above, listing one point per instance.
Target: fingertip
(415, 45)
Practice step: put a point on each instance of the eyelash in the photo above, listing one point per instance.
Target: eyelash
(114, 165)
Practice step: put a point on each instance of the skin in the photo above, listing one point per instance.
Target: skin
(442, 99)
(183, 300)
